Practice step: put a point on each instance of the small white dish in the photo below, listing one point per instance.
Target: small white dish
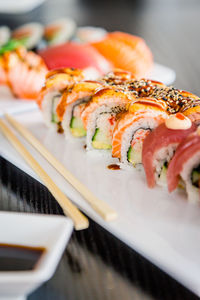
(36, 230)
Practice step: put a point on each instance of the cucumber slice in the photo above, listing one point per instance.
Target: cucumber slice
(134, 157)
(54, 118)
(100, 140)
(76, 127)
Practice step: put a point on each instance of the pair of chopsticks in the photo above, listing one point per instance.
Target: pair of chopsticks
(80, 221)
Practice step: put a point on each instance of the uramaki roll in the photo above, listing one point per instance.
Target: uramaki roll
(73, 102)
(133, 126)
(160, 146)
(99, 117)
(56, 82)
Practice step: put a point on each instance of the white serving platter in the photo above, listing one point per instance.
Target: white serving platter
(164, 228)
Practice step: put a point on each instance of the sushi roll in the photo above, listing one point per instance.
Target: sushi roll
(99, 116)
(73, 101)
(72, 104)
(90, 34)
(160, 145)
(133, 126)
(186, 165)
(25, 73)
(59, 31)
(29, 34)
(56, 82)
(4, 35)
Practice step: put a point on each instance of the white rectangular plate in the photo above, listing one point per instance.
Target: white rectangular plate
(164, 228)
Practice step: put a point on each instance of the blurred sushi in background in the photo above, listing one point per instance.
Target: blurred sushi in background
(74, 55)
(59, 31)
(4, 35)
(29, 34)
(25, 72)
(127, 52)
(88, 34)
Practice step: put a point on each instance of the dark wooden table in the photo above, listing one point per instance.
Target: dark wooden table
(95, 264)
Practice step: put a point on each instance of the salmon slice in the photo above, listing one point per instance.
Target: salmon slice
(25, 73)
(126, 52)
(83, 89)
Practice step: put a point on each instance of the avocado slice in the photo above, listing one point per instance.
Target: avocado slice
(163, 174)
(195, 177)
(134, 157)
(76, 127)
(54, 117)
(100, 140)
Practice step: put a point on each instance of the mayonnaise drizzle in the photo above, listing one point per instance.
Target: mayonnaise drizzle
(178, 121)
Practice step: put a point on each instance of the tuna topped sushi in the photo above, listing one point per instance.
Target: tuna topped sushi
(160, 146)
(186, 165)
(56, 82)
(72, 104)
(132, 128)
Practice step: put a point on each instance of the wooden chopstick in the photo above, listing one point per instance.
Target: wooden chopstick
(102, 208)
(80, 221)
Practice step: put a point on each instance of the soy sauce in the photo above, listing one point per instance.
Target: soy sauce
(113, 167)
(19, 258)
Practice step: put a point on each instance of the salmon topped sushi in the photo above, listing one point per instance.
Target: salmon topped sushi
(99, 116)
(72, 104)
(25, 73)
(126, 51)
(56, 82)
(133, 126)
